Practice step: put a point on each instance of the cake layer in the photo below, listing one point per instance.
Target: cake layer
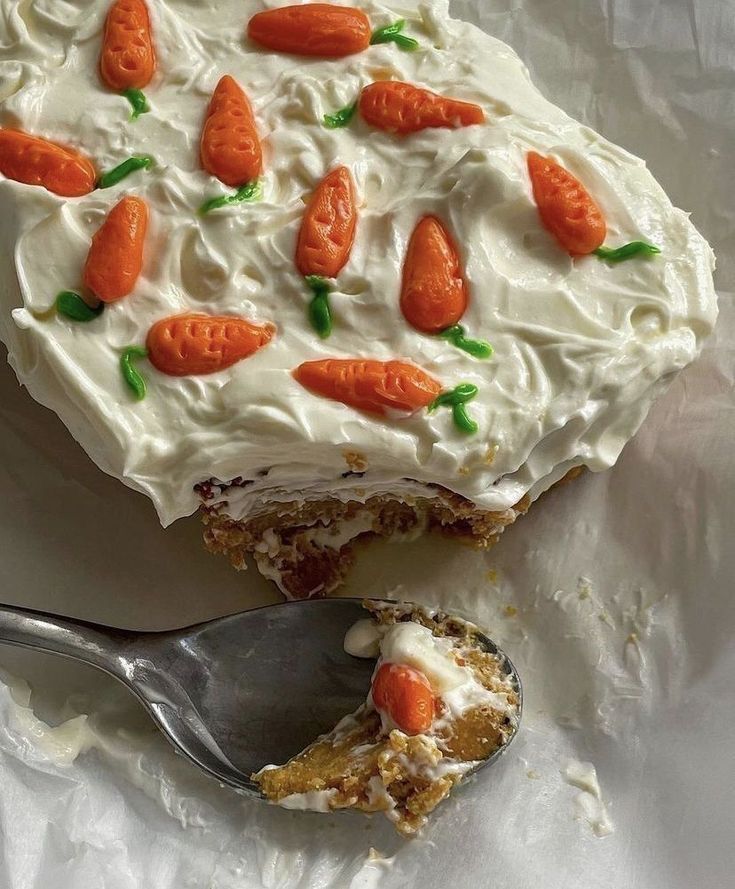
(306, 546)
(581, 346)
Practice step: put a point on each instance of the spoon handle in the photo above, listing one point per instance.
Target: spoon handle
(94, 644)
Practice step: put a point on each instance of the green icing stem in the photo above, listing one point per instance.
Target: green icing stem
(131, 376)
(251, 191)
(340, 118)
(457, 399)
(118, 173)
(456, 336)
(138, 102)
(463, 421)
(627, 251)
(71, 305)
(320, 313)
(392, 34)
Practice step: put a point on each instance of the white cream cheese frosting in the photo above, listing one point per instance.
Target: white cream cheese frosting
(582, 347)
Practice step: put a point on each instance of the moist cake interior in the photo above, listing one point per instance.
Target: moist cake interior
(367, 765)
(307, 548)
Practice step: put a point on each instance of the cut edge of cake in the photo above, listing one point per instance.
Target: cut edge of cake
(307, 547)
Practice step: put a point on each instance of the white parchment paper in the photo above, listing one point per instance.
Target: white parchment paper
(614, 597)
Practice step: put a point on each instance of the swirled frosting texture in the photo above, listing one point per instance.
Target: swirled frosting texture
(581, 347)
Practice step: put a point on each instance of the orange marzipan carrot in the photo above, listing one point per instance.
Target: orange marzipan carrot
(128, 59)
(369, 385)
(230, 146)
(433, 293)
(312, 29)
(192, 344)
(115, 257)
(328, 227)
(566, 208)
(36, 161)
(406, 694)
(403, 108)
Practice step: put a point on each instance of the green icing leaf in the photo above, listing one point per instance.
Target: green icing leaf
(456, 399)
(456, 336)
(251, 191)
(131, 376)
(340, 118)
(71, 305)
(627, 251)
(392, 34)
(118, 173)
(320, 313)
(138, 102)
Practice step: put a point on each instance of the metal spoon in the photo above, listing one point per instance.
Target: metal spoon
(232, 694)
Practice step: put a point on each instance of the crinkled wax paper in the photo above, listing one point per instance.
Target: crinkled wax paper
(614, 596)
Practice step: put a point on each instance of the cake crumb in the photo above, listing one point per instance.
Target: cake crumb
(383, 73)
(491, 454)
(356, 461)
(584, 588)
(492, 575)
(511, 611)
(533, 774)
(464, 470)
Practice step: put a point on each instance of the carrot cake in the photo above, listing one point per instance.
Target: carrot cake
(442, 702)
(326, 273)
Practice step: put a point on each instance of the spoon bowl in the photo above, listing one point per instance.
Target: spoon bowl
(235, 693)
(253, 688)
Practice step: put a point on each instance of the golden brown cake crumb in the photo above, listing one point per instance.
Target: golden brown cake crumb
(356, 461)
(373, 766)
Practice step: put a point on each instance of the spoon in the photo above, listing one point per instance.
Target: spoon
(235, 693)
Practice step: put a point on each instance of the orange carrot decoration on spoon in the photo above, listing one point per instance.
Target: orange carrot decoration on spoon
(434, 293)
(403, 108)
(128, 59)
(115, 258)
(323, 30)
(325, 241)
(570, 213)
(378, 387)
(36, 161)
(406, 695)
(230, 146)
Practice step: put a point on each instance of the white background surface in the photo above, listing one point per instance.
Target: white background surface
(622, 584)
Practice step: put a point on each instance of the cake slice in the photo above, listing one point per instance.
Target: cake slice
(382, 293)
(442, 702)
